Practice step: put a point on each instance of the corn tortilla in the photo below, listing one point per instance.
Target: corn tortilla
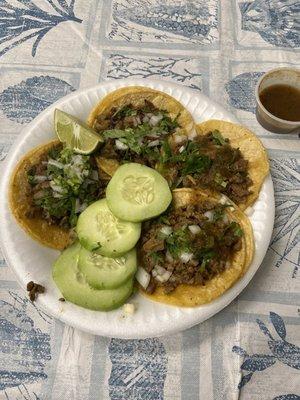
(19, 199)
(107, 167)
(136, 95)
(251, 148)
(194, 295)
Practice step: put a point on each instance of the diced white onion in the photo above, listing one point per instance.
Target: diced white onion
(161, 274)
(194, 229)
(136, 121)
(227, 265)
(55, 163)
(94, 175)
(179, 138)
(160, 270)
(77, 159)
(153, 143)
(40, 178)
(154, 273)
(164, 277)
(120, 145)
(83, 207)
(56, 188)
(186, 257)
(169, 257)
(209, 215)
(128, 308)
(153, 135)
(154, 120)
(166, 230)
(181, 149)
(77, 206)
(225, 219)
(223, 199)
(143, 277)
(57, 195)
(193, 134)
(39, 194)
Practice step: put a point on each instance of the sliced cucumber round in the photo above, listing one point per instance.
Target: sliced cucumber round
(73, 286)
(99, 230)
(136, 193)
(105, 272)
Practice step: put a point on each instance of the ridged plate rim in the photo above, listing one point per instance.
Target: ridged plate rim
(29, 260)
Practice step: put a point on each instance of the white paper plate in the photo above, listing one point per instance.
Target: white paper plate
(31, 261)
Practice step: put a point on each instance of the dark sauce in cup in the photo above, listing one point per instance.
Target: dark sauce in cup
(282, 101)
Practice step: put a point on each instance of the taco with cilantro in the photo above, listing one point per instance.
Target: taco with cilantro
(221, 157)
(134, 122)
(50, 186)
(196, 250)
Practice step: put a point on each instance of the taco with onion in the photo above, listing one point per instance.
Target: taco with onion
(221, 157)
(196, 250)
(135, 121)
(50, 186)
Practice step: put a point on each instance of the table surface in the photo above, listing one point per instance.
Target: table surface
(250, 350)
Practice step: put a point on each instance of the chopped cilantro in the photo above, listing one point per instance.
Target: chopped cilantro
(167, 124)
(66, 183)
(218, 138)
(136, 138)
(235, 228)
(193, 162)
(54, 153)
(206, 255)
(31, 176)
(196, 163)
(166, 151)
(178, 242)
(116, 133)
(219, 212)
(164, 219)
(157, 257)
(125, 111)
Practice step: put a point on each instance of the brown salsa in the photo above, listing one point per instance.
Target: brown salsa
(282, 101)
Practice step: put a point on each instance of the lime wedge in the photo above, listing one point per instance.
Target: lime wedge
(75, 134)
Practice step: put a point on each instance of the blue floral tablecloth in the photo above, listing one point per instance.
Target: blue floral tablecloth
(250, 350)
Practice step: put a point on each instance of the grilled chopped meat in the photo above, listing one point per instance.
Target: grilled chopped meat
(62, 184)
(192, 244)
(135, 133)
(210, 162)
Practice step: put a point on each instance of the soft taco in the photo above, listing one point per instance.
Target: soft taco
(196, 250)
(135, 122)
(50, 186)
(221, 157)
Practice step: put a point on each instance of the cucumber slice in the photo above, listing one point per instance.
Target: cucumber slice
(136, 193)
(75, 289)
(104, 272)
(99, 230)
